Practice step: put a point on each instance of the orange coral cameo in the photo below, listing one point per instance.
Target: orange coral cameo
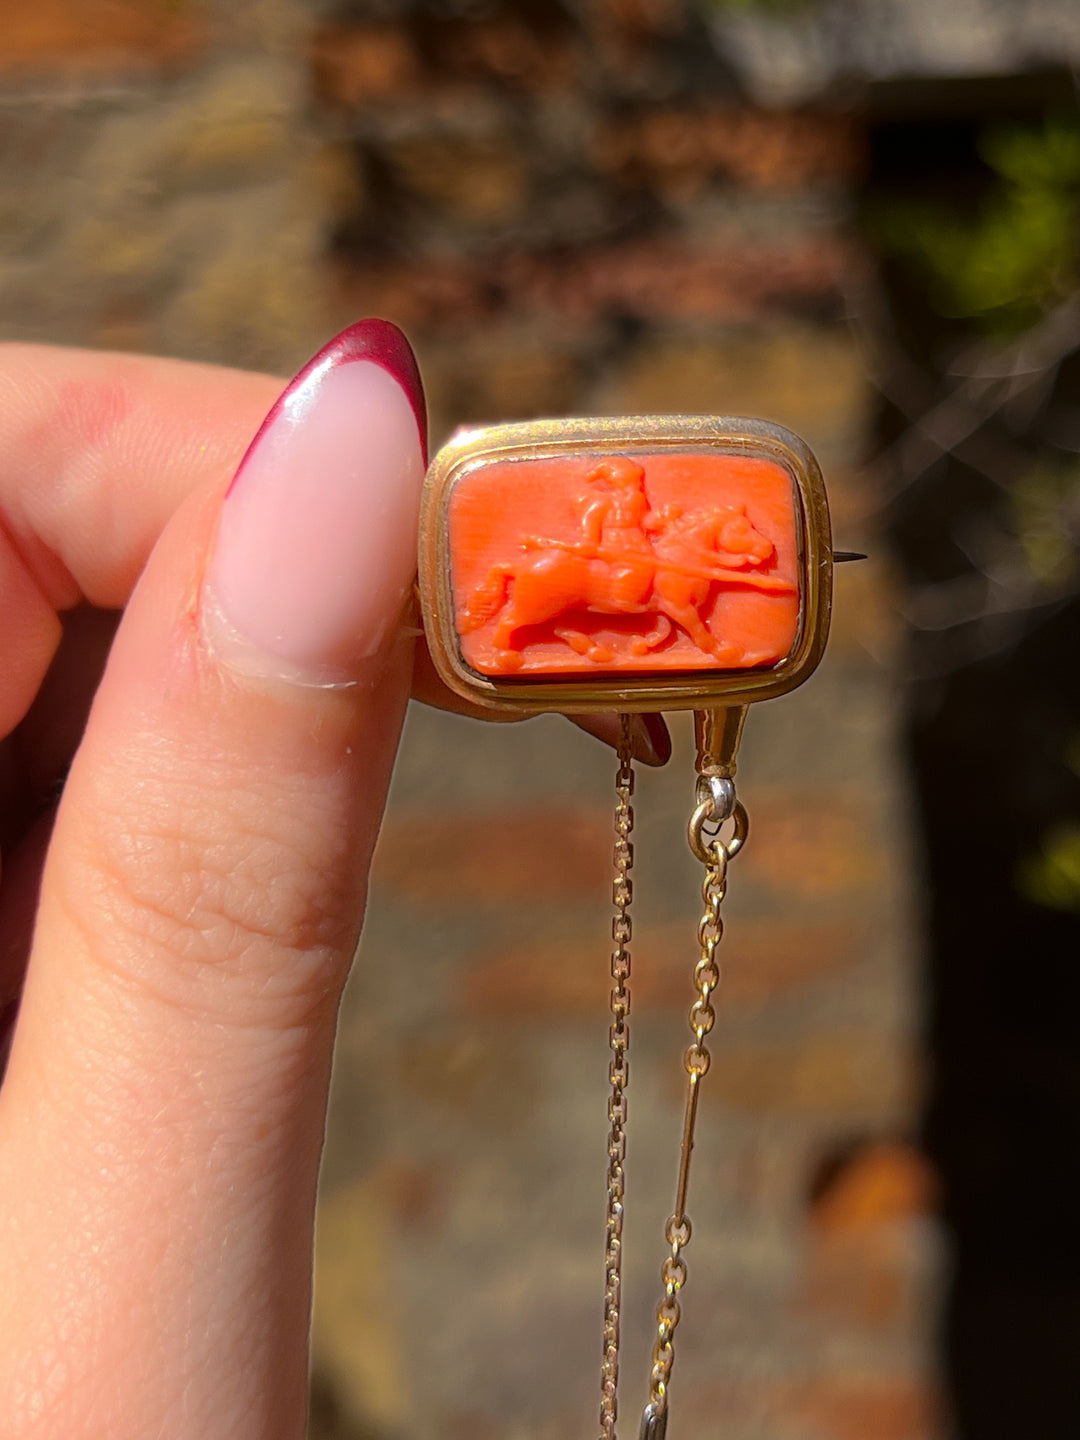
(580, 565)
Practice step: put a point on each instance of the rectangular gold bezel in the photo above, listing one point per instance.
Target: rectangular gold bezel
(626, 435)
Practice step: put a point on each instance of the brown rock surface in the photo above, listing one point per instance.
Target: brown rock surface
(98, 37)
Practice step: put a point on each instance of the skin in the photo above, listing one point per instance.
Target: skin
(202, 885)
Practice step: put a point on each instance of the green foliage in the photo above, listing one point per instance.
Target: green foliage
(1041, 503)
(1018, 256)
(1052, 877)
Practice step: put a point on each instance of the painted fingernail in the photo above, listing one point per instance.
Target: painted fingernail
(654, 739)
(9, 1013)
(316, 548)
(649, 738)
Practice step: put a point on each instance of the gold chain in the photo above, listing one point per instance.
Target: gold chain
(711, 811)
(618, 1074)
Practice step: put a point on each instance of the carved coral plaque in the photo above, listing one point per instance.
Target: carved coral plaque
(586, 564)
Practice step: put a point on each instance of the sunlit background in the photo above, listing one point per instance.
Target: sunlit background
(859, 218)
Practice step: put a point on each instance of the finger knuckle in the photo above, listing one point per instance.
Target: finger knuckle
(215, 882)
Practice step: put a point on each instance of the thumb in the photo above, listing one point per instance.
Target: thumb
(200, 906)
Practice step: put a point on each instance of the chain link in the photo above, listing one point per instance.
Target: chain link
(716, 853)
(618, 1074)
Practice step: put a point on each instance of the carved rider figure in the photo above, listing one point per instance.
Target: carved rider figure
(616, 508)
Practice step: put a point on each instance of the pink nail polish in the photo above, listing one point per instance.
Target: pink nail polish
(316, 548)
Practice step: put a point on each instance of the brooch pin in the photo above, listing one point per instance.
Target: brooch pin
(632, 565)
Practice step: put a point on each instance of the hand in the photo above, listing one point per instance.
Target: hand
(204, 873)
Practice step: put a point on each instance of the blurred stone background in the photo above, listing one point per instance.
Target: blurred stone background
(603, 206)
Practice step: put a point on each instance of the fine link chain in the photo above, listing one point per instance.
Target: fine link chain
(618, 1074)
(708, 845)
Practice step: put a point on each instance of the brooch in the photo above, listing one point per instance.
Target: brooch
(629, 565)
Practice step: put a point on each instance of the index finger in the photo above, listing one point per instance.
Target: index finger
(96, 453)
(98, 450)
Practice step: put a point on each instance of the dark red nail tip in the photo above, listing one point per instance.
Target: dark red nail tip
(9, 1013)
(383, 343)
(656, 729)
(379, 341)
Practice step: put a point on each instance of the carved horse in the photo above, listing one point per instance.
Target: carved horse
(690, 553)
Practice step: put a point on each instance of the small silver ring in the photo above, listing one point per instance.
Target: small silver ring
(719, 790)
